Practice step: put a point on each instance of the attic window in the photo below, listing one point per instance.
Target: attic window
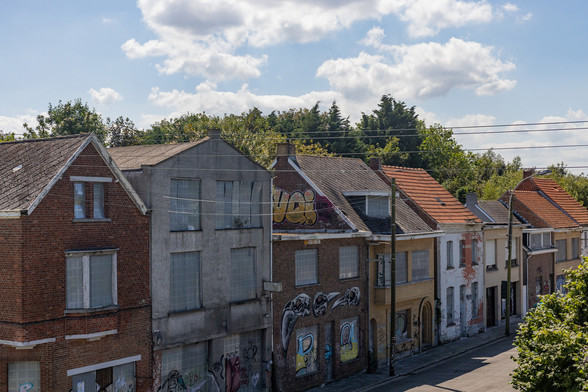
(440, 201)
(17, 168)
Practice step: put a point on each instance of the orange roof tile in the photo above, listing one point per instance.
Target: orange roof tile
(563, 199)
(544, 209)
(429, 195)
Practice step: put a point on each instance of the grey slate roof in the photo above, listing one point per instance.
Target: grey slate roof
(497, 211)
(133, 157)
(28, 166)
(335, 176)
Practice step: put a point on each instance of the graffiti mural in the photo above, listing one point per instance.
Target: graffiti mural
(300, 307)
(349, 348)
(306, 351)
(321, 302)
(350, 298)
(297, 207)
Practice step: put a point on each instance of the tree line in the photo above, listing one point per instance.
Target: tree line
(391, 131)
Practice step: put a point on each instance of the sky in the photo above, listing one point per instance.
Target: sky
(500, 66)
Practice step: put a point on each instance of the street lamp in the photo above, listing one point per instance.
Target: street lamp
(508, 265)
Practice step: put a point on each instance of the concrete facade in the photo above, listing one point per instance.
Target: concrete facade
(213, 331)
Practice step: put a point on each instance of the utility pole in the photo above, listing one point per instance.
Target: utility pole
(392, 274)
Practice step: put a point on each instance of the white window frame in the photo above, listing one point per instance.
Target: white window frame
(348, 262)
(86, 293)
(303, 259)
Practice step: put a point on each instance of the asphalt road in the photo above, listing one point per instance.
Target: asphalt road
(484, 369)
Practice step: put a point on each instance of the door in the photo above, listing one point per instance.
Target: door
(427, 330)
(491, 307)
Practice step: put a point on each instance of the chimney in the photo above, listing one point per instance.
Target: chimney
(285, 150)
(214, 133)
(528, 172)
(376, 163)
(471, 199)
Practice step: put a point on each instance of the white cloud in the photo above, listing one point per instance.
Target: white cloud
(508, 7)
(14, 124)
(418, 71)
(105, 96)
(202, 37)
(525, 18)
(207, 98)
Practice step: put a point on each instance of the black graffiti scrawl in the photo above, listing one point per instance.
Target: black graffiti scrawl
(300, 307)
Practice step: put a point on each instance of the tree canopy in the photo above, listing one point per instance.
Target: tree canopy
(551, 342)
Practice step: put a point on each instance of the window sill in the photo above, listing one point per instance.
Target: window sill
(306, 284)
(452, 324)
(181, 312)
(462, 266)
(349, 279)
(450, 268)
(491, 268)
(185, 230)
(108, 309)
(84, 220)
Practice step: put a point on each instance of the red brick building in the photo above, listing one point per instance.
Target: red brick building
(74, 261)
(320, 261)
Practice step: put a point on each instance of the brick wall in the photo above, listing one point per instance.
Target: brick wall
(39, 309)
(284, 371)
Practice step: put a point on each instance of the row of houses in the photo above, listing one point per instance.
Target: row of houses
(189, 267)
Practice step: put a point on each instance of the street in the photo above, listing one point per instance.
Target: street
(484, 369)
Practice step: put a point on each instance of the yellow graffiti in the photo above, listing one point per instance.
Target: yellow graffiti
(349, 352)
(295, 208)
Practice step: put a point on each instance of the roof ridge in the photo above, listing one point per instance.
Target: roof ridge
(43, 139)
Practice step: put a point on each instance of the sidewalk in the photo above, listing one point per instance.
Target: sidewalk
(407, 365)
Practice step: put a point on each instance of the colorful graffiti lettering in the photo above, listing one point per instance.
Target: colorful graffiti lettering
(305, 354)
(25, 387)
(349, 347)
(297, 208)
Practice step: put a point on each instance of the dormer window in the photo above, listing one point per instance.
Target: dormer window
(372, 205)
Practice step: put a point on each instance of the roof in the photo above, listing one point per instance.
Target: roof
(497, 211)
(28, 166)
(429, 195)
(133, 157)
(550, 214)
(563, 199)
(336, 177)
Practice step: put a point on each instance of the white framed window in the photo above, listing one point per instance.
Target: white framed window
(185, 285)
(24, 376)
(450, 255)
(450, 302)
(243, 274)
(91, 279)
(238, 204)
(190, 362)
(420, 265)
(79, 200)
(184, 205)
(348, 262)
(562, 250)
(490, 254)
(306, 261)
(401, 267)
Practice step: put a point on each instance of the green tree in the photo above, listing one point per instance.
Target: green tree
(392, 119)
(7, 137)
(338, 136)
(122, 132)
(70, 118)
(551, 342)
